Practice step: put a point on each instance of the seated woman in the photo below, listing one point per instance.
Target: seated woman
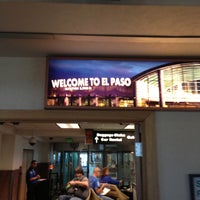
(106, 178)
(114, 190)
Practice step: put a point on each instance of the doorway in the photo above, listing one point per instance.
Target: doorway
(27, 158)
(120, 158)
(45, 121)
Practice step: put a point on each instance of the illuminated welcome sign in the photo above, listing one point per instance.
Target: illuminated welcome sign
(83, 82)
(89, 83)
(73, 82)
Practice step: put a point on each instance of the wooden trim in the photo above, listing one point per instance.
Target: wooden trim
(9, 181)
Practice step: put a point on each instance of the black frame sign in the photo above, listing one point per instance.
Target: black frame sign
(110, 137)
(121, 83)
(194, 180)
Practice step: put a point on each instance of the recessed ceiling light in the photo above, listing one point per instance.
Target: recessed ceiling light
(130, 126)
(68, 125)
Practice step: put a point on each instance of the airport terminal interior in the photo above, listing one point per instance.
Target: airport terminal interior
(107, 83)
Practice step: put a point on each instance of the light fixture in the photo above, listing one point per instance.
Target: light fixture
(68, 125)
(32, 141)
(130, 126)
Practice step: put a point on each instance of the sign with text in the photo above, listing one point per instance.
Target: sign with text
(88, 83)
(107, 137)
(138, 149)
(92, 82)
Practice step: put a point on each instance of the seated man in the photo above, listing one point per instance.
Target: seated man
(95, 184)
(78, 188)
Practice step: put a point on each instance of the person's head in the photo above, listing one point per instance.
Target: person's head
(79, 171)
(105, 171)
(33, 163)
(97, 172)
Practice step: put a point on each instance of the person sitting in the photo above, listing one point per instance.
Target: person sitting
(106, 178)
(78, 188)
(114, 190)
(95, 184)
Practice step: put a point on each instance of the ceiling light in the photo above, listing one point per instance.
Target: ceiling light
(32, 141)
(130, 126)
(68, 125)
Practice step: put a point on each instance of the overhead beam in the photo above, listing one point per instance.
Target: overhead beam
(77, 115)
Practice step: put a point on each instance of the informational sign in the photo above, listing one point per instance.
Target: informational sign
(87, 83)
(195, 186)
(107, 137)
(138, 149)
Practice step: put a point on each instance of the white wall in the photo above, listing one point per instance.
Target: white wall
(41, 151)
(178, 149)
(22, 86)
(149, 165)
(11, 154)
(22, 83)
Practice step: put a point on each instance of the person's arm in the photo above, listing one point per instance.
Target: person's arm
(99, 190)
(34, 178)
(94, 184)
(109, 179)
(80, 183)
(30, 177)
(83, 183)
(112, 181)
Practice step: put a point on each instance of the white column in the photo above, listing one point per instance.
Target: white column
(7, 151)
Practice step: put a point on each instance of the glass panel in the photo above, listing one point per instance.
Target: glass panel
(84, 162)
(181, 85)
(95, 160)
(70, 162)
(111, 159)
(127, 169)
(147, 91)
(56, 160)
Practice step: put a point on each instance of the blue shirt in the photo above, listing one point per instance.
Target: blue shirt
(94, 182)
(30, 174)
(108, 179)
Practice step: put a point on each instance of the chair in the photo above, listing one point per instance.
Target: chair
(92, 195)
(116, 193)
